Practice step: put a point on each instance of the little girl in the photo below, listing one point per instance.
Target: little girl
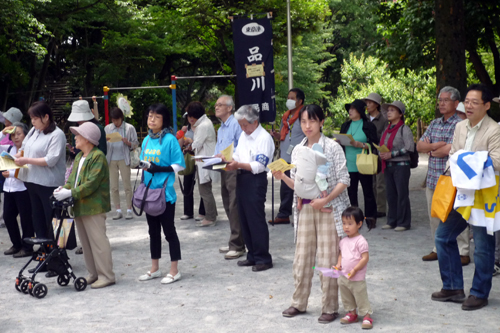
(353, 257)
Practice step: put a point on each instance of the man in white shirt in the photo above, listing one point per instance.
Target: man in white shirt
(255, 150)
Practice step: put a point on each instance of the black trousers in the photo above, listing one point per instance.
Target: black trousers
(41, 209)
(369, 197)
(286, 198)
(189, 198)
(165, 220)
(251, 195)
(18, 203)
(397, 182)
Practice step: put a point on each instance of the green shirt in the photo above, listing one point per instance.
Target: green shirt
(91, 193)
(356, 130)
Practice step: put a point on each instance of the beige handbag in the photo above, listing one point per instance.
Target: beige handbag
(367, 163)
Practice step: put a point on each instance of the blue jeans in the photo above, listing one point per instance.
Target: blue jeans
(450, 266)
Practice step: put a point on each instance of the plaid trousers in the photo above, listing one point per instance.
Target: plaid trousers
(316, 239)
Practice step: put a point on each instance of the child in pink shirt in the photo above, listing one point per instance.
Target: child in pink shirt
(353, 257)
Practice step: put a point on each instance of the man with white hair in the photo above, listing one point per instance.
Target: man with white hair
(436, 142)
(229, 133)
(255, 150)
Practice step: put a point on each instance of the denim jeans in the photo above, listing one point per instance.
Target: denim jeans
(450, 266)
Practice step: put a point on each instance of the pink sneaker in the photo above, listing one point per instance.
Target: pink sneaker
(367, 323)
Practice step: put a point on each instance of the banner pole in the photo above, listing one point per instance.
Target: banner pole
(106, 107)
(173, 87)
(289, 43)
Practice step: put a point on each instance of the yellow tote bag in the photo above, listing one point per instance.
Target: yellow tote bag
(367, 163)
(443, 198)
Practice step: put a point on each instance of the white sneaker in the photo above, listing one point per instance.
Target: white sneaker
(234, 254)
(170, 279)
(186, 217)
(224, 249)
(128, 215)
(118, 215)
(150, 276)
(200, 218)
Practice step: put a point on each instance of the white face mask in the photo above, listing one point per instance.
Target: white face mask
(290, 104)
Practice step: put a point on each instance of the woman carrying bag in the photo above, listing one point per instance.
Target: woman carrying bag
(161, 149)
(118, 157)
(364, 134)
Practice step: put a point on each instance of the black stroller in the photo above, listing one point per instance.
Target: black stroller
(51, 256)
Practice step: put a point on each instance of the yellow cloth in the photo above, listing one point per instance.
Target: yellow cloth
(486, 209)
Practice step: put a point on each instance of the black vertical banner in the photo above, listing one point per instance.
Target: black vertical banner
(253, 53)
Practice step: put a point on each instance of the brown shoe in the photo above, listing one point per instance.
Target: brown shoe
(326, 318)
(457, 296)
(474, 303)
(261, 267)
(280, 220)
(465, 260)
(245, 263)
(430, 257)
(23, 253)
(291, 312)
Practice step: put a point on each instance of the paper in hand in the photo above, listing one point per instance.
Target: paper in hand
(280, 165)
(343, 139)
(114, 137)
(382, 149)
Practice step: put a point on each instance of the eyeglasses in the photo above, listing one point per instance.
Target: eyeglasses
(444, 100)
(473, 102)
(218, 105)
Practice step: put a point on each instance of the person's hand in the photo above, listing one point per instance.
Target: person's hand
(351, 274)
(125, 141)
(94, 99)
(21, 161)
(426, 140)
(318, 203)
(275, 134)
(299, 204)
(385, 156)
(8, 128)
(61, 194)
(278, 175)
(107, 139)
(337, 267)
(6, 173)
(233, 165)
(184, 129)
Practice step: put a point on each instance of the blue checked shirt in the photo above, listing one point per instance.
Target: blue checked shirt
(439, 130)
(228, 133)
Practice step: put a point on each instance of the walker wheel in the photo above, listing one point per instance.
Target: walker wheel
(40, 290)
(24, 286)
(80, 284)
(63, 280)
(30, 288)
(19, 280)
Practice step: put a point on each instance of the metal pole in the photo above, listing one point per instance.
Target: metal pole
(106, 113)
(289, 38)
(173, 87)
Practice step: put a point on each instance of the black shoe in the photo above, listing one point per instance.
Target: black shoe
(457, 295)
(23, 253)
(79, 250)
(244, 263)
(51, 274)
(261, 267)
(11, 251)
(43, 270)
(381, 214)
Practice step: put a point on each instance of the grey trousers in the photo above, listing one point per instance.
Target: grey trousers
(208, 200)
(228, 193)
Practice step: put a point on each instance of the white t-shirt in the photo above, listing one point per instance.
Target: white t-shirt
(79, 168)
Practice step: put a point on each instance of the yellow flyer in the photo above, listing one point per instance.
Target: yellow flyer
(227, 153)
(114, 137)
(382, 149)
(280, 165)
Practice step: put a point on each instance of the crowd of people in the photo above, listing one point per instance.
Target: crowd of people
(319, 195)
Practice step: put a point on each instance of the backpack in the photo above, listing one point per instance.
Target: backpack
(414, 156)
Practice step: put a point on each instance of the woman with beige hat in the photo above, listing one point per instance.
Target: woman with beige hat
(81, 113)
(88, 184)
(398, 138)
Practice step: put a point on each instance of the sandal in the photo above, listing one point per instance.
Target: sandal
(349, 318)
(150, 276)
(367, 323)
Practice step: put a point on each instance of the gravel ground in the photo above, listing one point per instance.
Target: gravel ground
(215, 295)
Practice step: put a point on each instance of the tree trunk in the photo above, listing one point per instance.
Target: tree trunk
(45, 67)
(450, 46)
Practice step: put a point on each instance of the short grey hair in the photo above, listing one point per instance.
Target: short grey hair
(23, 126)
(248, 112)
(454, 93)
(230, 101)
